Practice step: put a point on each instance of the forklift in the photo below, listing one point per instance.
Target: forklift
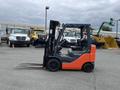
(54, 60)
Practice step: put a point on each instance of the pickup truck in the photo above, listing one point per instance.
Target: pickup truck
(18, 36)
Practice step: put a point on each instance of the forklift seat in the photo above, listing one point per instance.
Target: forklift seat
(74, 53)
(71, 56)
(67, 58)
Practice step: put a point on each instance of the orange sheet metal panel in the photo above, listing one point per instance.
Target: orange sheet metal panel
(93, 53)
(78, 63)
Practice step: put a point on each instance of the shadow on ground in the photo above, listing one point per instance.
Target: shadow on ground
(29, 66)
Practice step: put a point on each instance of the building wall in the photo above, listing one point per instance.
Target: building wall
(3, 26)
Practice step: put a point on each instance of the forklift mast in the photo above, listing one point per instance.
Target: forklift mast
(50, 43)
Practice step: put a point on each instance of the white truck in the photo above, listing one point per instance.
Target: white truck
(18, 36)
(70, 39)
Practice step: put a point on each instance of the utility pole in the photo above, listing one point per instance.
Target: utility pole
(117, 22)
(46, 8)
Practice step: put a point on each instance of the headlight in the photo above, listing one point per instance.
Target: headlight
(68, 40)
(27, 38)
(12, 38)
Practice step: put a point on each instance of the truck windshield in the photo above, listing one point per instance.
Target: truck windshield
(78, 35)
(72, 34)
(2, 32)
(40, 32)
(20, 31)
(69, 34)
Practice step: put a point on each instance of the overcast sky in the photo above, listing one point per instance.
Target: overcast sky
(71, 11)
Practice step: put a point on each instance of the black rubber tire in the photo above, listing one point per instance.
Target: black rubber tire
(88, 67)
(53, 65)
(28, 45)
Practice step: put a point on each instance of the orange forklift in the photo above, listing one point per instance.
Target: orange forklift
(54, 60)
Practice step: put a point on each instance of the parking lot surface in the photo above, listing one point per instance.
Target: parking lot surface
(20, 70)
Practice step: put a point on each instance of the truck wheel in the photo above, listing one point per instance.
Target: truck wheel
(88, 67)
(53, 65)
(9, 43)
(28, 45)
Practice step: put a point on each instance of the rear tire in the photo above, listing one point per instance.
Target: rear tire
(88, 67)
(53, 65)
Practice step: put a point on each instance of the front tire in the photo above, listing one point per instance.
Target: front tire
(88, 67)
(53, 65)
